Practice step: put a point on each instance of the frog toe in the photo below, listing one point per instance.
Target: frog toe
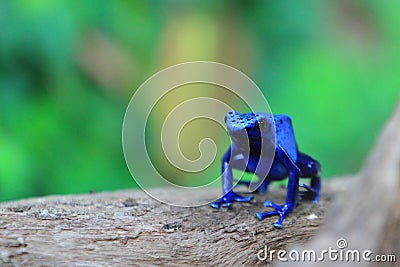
(232, 196)
(226, 204)
(238, 198)
(310, 193)
(228, 199)
(262, 215)
(277, 225)
(271, 204)
(215, 205)
(280, 210)
(221, 203)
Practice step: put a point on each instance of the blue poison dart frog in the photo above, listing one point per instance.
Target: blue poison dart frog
(270, 157)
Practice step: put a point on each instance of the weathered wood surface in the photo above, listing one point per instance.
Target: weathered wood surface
(128, 228)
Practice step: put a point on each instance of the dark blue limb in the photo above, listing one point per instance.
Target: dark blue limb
(309, 167)
(292, 189)
(261, 189)
(227, 183)
(228, 199)
(316, 186)
(313, 189)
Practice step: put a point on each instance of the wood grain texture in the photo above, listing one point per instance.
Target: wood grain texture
(128, 228)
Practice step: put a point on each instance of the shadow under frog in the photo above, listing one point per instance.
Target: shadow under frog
(255, 149)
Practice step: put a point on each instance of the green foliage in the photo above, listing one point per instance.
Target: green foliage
(331, 65)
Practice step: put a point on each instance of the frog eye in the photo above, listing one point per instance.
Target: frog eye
(262, 123)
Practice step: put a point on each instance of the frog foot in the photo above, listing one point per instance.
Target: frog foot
(228, 199)
(310, 193)
(281, 210)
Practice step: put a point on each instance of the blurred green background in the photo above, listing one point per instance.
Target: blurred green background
(69, 68)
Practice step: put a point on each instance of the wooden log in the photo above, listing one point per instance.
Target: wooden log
(128, 228)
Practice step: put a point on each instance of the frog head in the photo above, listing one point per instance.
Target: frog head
(244, 128)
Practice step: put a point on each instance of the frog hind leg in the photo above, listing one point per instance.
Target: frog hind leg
(261, 188)
(309, 167)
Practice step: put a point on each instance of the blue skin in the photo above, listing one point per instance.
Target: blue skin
(250, 151)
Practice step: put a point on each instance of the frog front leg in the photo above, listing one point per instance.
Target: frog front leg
(227, 184)
(292, 190)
